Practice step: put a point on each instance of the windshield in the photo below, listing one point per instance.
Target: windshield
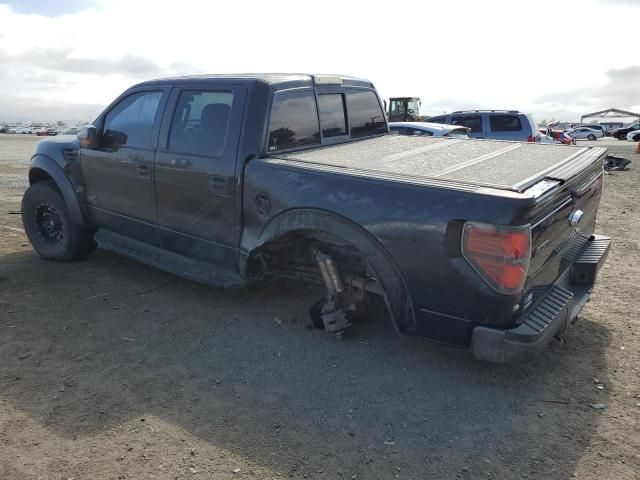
(413, 107)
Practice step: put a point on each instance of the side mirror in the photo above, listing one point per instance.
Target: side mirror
(88, 137)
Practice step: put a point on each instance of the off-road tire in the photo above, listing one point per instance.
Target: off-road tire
(47, 222)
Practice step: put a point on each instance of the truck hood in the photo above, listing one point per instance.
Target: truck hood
(513, 166)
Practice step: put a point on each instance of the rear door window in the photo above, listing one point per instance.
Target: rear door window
(333, 119)
(474, 122)
(365, 114)
(505, 123)
(200, 122)
(294, 121)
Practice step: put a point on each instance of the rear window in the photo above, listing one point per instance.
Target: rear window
(294, 121)
(474, 122)
(365, 114)
(332, 115)
(505, 123)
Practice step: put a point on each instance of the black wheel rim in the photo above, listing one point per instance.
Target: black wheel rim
(49, 223)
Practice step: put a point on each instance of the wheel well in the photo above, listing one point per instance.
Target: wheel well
(38, 175)
(293, 252)
(355, 250)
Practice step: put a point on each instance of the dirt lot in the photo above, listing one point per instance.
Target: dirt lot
(111, 369)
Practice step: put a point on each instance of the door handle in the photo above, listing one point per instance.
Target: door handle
(219, 185)
(144, 171)
(180, 163)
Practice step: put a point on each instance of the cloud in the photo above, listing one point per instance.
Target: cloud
(87, 52)
(33, 109)
(64, 60)
(621, 90)
(633, 3)
(48, 8)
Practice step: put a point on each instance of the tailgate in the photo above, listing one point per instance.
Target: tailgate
(564, 218)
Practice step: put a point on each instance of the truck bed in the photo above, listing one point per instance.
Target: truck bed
(513, 166)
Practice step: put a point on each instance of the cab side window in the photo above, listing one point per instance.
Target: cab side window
(365, 114)
(200, 122)
(130, 122)
(294, 121)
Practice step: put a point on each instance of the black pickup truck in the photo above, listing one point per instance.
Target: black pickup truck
(227, 179)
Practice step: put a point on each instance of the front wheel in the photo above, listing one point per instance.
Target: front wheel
(47, 222)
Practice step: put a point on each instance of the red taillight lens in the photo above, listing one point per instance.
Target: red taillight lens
(499, 254)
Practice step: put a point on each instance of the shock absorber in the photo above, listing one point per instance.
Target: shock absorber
(330, 311)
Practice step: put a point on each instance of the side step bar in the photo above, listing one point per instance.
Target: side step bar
(166, 260)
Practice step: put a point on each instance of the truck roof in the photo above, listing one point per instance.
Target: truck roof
(513, 166)
(277, 81)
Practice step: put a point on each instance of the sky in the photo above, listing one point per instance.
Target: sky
(66, 60)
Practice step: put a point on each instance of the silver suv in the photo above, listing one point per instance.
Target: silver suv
(494, 124)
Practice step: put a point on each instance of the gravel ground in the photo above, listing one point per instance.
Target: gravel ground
(111, 369)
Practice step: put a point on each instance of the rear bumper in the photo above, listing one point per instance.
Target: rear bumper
(550, 316)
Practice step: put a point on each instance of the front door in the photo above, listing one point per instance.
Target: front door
(118, 174)
(195, 172)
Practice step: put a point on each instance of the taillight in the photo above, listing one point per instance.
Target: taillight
(531, 138)
(499, 254)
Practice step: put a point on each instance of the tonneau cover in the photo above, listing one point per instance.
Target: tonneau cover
(492, 163)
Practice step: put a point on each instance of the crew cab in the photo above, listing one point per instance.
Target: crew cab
(231, 179)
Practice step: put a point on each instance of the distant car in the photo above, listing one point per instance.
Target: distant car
(595, 126)
(584, 133)
(493, 124)
(621, 133)
(47, 132)
(19, 130)
(4, 129)
(69, 131)
(634, 136)
(425, 129)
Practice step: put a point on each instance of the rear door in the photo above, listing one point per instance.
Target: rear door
(195, 171)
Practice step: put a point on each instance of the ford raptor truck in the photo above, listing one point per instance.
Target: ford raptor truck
(225, 179)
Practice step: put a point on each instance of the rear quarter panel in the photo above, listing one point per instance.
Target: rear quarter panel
(416, 224)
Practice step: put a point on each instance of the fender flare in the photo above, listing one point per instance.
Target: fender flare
(62, 181)
(387, 273)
